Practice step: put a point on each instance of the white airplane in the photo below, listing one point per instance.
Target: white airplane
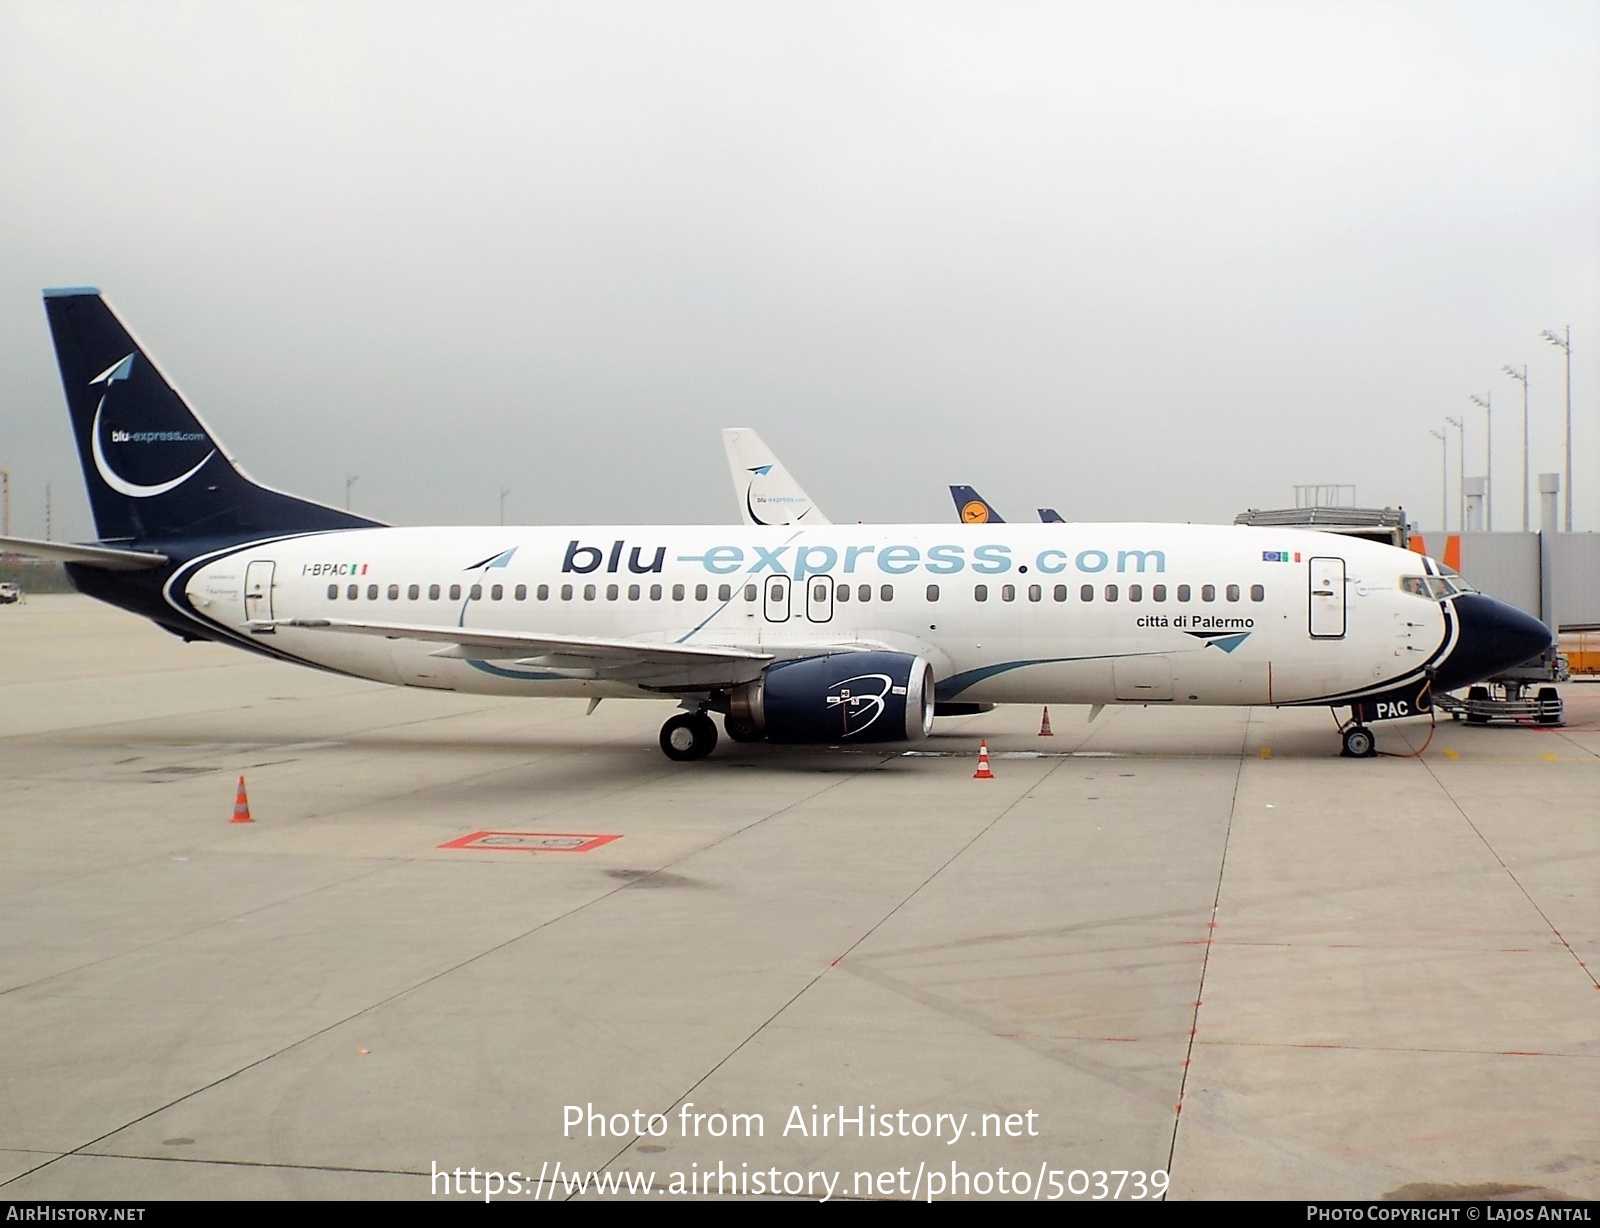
(767, 494)
(800, 634)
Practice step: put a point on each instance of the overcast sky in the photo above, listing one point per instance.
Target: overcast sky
(1152, 261)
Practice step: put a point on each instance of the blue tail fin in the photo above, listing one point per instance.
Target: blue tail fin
(973, 508)
(153, 469)
(1049, 515)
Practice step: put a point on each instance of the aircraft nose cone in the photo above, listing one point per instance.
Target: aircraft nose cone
(1494, 636)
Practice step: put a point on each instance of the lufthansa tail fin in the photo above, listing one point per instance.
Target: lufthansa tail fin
(973, 508)
(767, 494)
(154, 470)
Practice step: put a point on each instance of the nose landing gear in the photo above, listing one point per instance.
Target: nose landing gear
(1358, 742)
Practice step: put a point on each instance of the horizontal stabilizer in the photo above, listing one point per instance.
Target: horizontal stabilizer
(108, 557)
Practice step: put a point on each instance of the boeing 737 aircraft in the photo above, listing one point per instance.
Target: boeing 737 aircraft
(808, 633)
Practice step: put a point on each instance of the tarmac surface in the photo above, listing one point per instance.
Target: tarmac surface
(1195, 942)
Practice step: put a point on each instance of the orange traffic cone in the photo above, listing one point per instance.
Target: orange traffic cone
(241, 806)
(983, 772)
(1044, 724)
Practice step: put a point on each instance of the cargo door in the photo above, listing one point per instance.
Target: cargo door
(1142, 680)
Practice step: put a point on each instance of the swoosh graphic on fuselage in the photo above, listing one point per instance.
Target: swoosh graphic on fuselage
(120, 484)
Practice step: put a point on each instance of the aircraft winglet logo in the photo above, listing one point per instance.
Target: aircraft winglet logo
(761, 471)
(117, 373)
(975, 511)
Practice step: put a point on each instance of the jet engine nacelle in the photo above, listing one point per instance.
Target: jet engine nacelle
(839, 698)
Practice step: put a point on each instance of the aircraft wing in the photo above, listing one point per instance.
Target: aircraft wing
(668, 666)
(767, 494)
(109, 557)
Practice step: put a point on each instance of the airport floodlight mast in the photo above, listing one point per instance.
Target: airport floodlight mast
(1564, 342)
(1522, 377)
(504, 491)
(1461, 455)
(1444, 479)
(349, 481)
(5, 502)
(1488, 448)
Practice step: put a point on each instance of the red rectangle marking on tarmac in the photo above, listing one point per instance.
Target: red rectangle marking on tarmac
(530, 841)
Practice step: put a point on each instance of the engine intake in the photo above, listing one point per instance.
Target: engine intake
(841, 697)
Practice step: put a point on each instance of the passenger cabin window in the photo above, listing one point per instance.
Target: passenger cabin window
(455, 592)
(353, 592)
(1183, 592)
(633, 592)
(612, 592)
(566, 592)
(1232, 592)
(433, 592)
(886, 592)
(589, 592)
(414, 592)
(750, 593)
(333, 592)
(677, 592)
(1060, 592)
(1208, 592)
(1035, 593)
(980, 592)
(1086, 593)
(1135, 592)
(1258, 593)
(1111, 592)
(1158, 592)
(521, 592)
(843, 593)
(864, 592)
(655, 592)
(372, 592)
(933, 592)
(819, 592)
(475, 593)
(497, 592)
(542, 592)
(394, 592)
(724, 592)
(1008, 592)
(701, 592)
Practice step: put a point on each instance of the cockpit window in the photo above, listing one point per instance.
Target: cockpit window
(1434, 588)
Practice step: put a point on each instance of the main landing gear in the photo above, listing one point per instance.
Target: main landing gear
(689, 735)
(1358, 742)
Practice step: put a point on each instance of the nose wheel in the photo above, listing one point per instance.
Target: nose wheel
(1358, 742)
(689, 735)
